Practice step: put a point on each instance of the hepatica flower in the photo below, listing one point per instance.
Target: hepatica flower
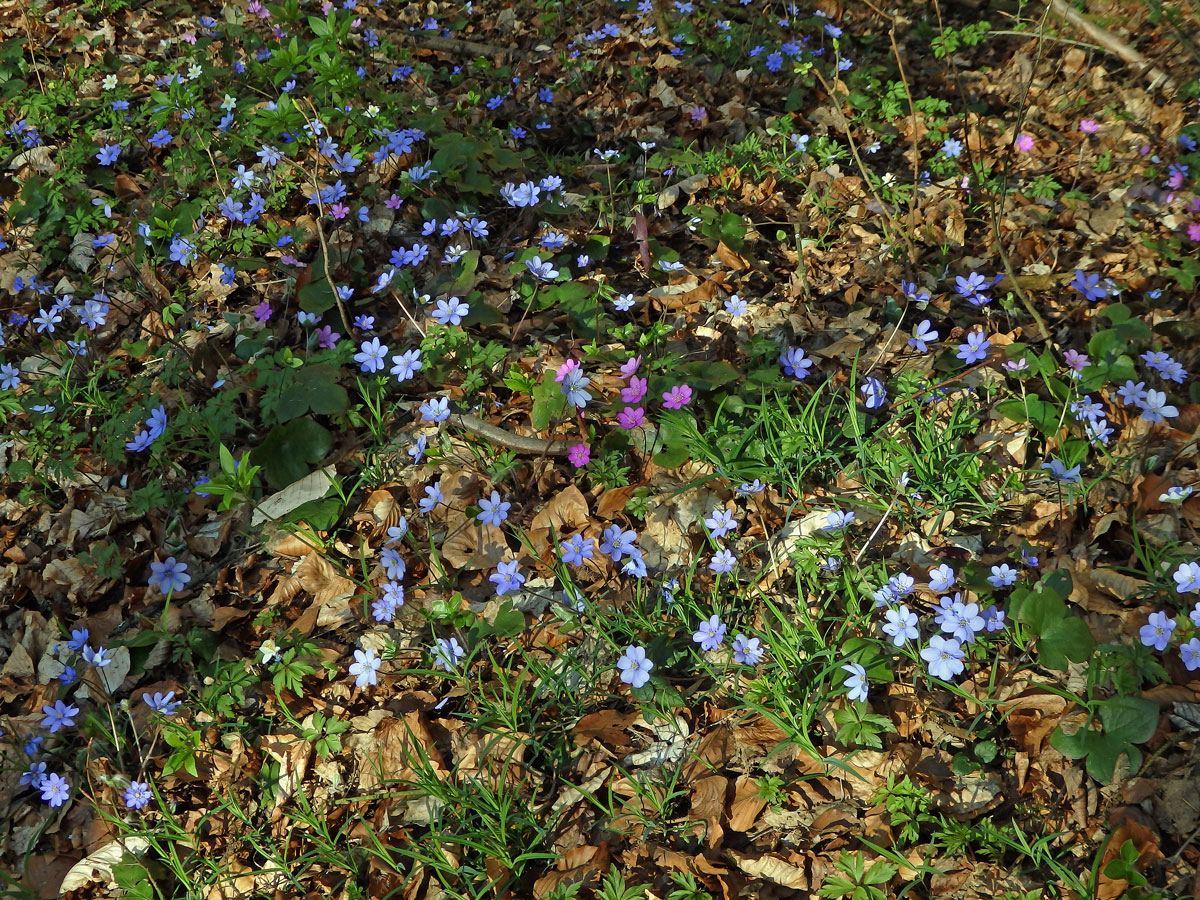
(137, 795)
(711, 633)
(941, 578)
(55, 789)
(856, 684)
(372, 356)
(164, 704)
(364, 667)
(975, 349)
(1060, 473)
(576, 549)
(579, 455)
(921, 335)
(900, 624)
(1089, 286)
(60, 715)
(874, 393)
(631, 417)
(837, 520)
(719, 523)
(1002, 576)
(677, 397)
(447, 653)
(944, 657)
(747, 651)
(450, 312)
(435, 409)
(1024, 143)
(168, 575)
(506, 577)
(1187, 578)
(795, 363)
(574, 388)
(1155, 407)
(493, 510)
(722, 561)
(634, 666)
(1157, 631)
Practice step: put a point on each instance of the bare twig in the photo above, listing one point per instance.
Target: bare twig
(1112, 44)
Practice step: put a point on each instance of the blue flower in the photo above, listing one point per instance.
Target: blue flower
(576, 549)
(164, 704)
(711, 633)
(952, 148)
(137, 795)
(108, 154)
(435, 409)
(634, 666)
(856, 684)
(747, 651)
(372, 356)
(447, 654)
(59, 716)
(506, 577)
(364, 667)
(493, 511)
(1089, 286)
(169, 575)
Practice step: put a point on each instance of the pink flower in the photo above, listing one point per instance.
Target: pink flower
(1025, 143)
(1075, 360)
(393, 202)
(262, 312)
(327, 337)
(1193, 231)
(579, 455)
(566, 369)
(631, 366)
(631, 417)
(677, 397)
(339, 210)
(1089, 126)
(636, 390)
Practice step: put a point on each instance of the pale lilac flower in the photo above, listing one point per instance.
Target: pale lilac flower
(1089, 126)
(137, 795)
(447, 654)
(1157, 631)
(164, 704)
(435, 409)
(168, 575)
(837, 520)
(634, 666)
(1002, 575)
(901, 624)
(941, 578)
(55, 789)
(433, 496)
(720, 522)
(711, 633)
(1155, 407)
(1187, 578)
(747, 651)
(451, 311)
(944, 656)
(364, 667)
(722, 561)
(856, 684)
(1190, 653)
(493, 511)
(406, 364)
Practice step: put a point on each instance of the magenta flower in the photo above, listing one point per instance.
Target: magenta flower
(1075, 360)
(1025, 143)
(1193, 231)
(339, 211)
(631, 366)
(327, 338)
(677, 397)
(631, 417)
(262, 312)
(1089, 126)
(566, 369)
(636, 390)
(579, 455)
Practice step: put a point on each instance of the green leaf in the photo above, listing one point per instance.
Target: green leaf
(317, 296)
(1131, 719)
(1062, 640)
(291, 449)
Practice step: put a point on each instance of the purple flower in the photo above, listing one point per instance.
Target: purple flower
(1089, 286)
(1157, 631)
(921, 335)
(372, 355)
(576, 549)
(617, 543)
(634, 666)
(975, 349)
(493, 511)
(711, 633)
(168, 575)
(856, 684)
(59, 716)
(137, 795)
(55, 789)
(747, 651)
(165, 704)
(795, 363)
(364, 667)
(506, 577)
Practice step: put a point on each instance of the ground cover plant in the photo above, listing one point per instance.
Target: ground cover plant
(687, 450)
